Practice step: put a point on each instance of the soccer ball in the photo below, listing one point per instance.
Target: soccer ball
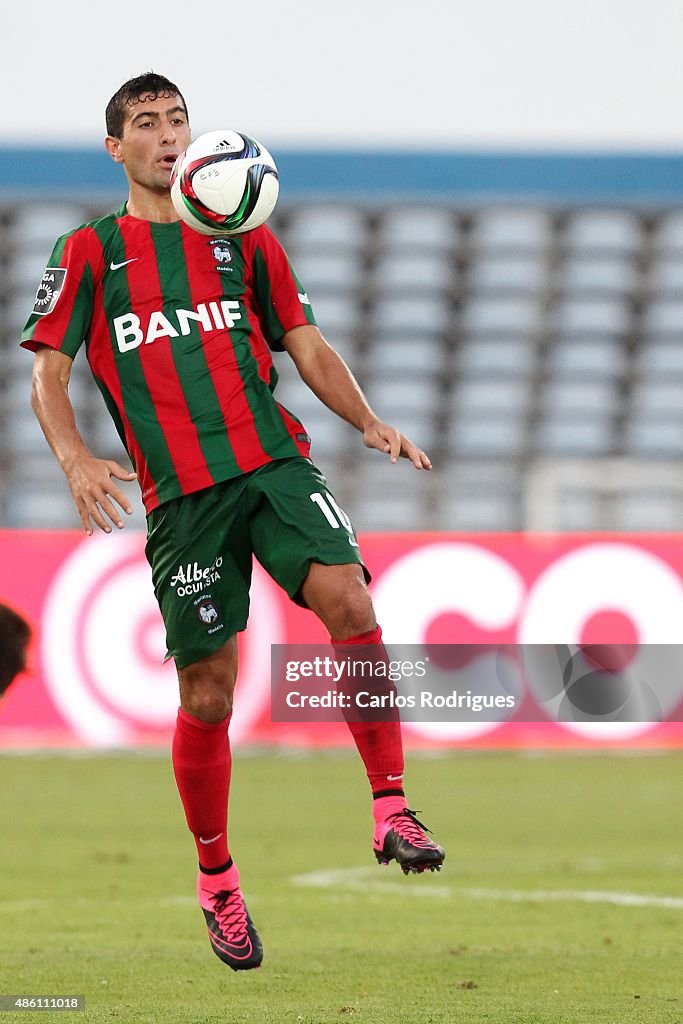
(224, 183)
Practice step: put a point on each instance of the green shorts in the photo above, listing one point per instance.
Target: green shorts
(200, 548)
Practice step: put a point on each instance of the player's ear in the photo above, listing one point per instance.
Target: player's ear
(113, 147)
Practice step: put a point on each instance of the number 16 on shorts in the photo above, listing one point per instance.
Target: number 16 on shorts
(335, 515)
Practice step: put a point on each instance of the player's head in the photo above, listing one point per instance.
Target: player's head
(122, 107)
(15, 634)
(147, 127)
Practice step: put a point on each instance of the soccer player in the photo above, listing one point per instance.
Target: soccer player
(179, 338)
(15, 634)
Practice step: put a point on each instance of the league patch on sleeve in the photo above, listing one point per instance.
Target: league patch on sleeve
(49, 290)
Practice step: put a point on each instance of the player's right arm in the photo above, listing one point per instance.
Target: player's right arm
(55, 330)
(91, 480)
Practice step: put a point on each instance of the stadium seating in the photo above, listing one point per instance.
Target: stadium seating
(498, 337)
(419, 229)
(511, 230)
(327, 229)
(596, 231)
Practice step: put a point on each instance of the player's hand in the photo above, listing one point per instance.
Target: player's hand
(387, 439)
(91, 484)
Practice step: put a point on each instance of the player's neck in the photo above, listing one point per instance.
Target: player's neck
(148, 205)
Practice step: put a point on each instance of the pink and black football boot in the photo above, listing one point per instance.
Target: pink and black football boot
(232, 934)
(401, 837)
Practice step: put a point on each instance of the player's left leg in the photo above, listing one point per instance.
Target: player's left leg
(339, 597)
(306, 542)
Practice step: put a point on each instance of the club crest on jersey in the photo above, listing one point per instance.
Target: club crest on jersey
(49, 290)
(222, 253)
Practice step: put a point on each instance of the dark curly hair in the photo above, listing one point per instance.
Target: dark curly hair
(150, 85)
(15, 634)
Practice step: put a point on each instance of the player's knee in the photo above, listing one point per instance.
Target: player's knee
(207, 706)
(339, 596)
(206, 690)
(352, 613)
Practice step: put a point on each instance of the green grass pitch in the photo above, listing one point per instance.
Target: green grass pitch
(536, 916)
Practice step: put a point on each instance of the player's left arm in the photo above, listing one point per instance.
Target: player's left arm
(328, 376)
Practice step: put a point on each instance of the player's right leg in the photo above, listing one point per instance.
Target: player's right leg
(201, 564)
(202, 766)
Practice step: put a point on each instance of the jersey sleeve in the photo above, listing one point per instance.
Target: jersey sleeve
(63, 306)
(281, 299)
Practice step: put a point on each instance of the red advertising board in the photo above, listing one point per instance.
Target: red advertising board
(97, 676)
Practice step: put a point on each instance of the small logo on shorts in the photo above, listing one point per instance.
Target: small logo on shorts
(207, 612)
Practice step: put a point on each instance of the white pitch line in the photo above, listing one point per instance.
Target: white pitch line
(362, 880)
(22, 904)
(618, 899)
(164, 901)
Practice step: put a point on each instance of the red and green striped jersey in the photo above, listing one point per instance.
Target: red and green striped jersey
(178, 329)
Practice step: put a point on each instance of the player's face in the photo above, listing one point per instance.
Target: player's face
(155, 132)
